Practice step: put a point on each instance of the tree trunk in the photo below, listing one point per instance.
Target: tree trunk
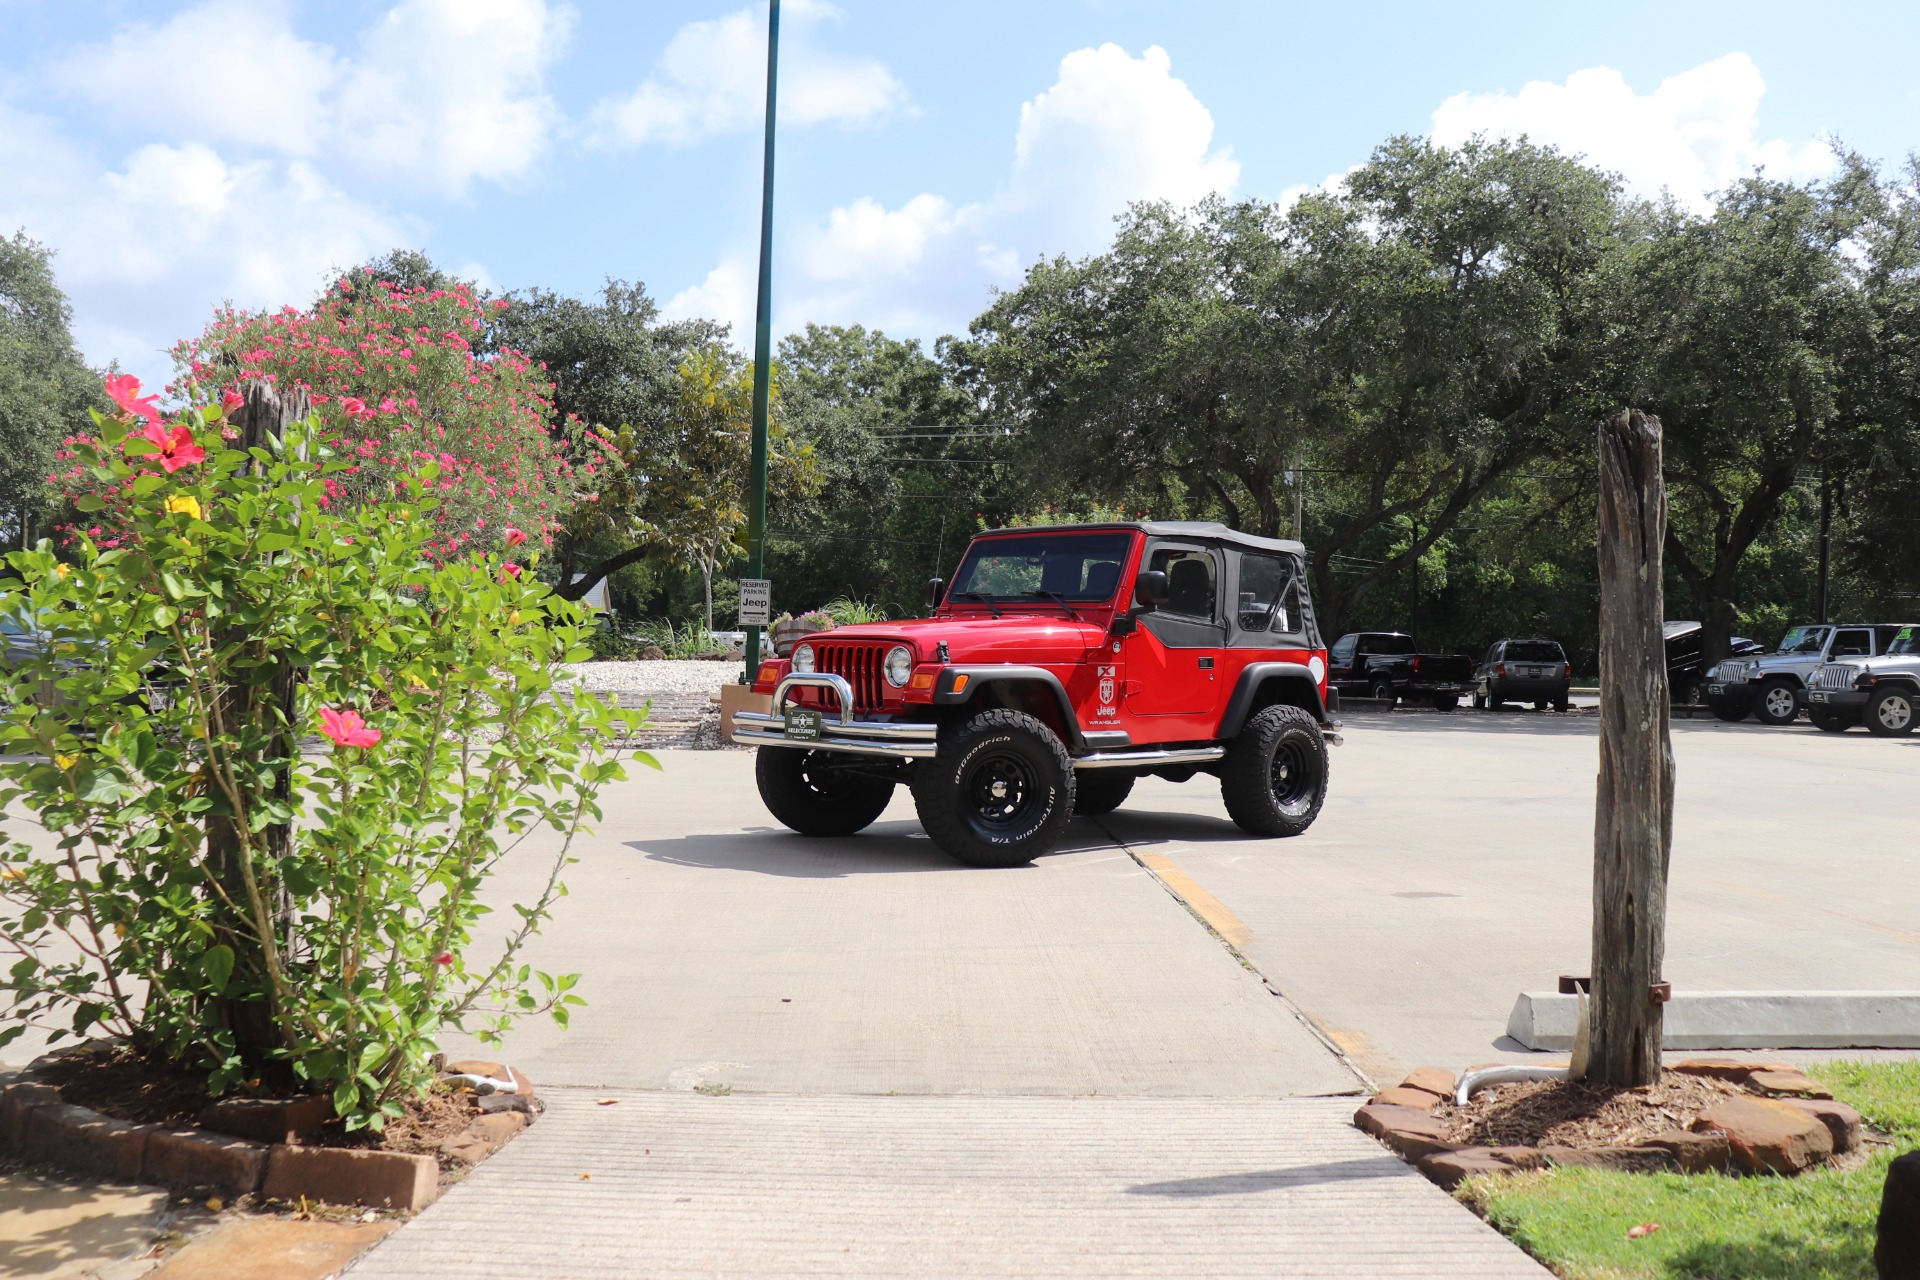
(1633, 819)
(706, 581)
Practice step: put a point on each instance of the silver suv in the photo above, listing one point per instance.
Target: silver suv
(1772, 687)
(1883, 691)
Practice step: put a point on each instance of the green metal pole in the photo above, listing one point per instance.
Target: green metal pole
(762, 351)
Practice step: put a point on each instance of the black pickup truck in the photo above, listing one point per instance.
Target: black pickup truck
(1384, 665)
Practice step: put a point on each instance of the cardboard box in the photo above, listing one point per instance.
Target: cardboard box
(738, 697)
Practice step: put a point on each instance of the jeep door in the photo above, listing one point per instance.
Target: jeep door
(1172, 659)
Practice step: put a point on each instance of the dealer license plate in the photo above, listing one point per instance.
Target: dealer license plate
(1817, 696)
(1716, 688)
(803, 725)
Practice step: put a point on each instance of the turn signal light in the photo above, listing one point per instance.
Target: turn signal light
(770, 671)
(922, 680)
(960, 682)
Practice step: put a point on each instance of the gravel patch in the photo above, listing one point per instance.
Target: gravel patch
(647, 679)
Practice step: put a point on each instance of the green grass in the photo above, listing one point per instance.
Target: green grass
(1819, 1226)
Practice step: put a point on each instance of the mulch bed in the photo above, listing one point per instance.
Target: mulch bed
(119, 1082)
(1580, 1115)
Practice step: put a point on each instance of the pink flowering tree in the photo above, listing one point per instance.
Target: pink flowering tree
(273, 749)
(397, 380)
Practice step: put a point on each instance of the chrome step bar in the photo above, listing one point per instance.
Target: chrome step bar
(893, 749)
(1149, 759)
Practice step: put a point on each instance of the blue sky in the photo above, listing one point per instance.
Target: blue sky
(179, 155)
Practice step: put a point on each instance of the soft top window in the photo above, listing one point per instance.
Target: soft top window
(1072, 566)
(1534, 651)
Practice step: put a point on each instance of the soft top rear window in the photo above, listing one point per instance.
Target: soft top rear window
(1070, 566)
(1534, 651)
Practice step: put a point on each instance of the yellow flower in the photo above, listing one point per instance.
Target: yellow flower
(62, 570)
(65, 761)
(513, 619)
(184, 504)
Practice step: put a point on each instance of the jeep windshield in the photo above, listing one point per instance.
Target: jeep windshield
(1804, 640)
(1042, 568)
(1907, 642)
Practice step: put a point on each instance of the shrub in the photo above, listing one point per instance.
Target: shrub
(224, 892)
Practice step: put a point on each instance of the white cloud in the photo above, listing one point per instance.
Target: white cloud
(726, 295)
(1693, 135)
(712, 80)
(438, 94)
(146, 249)
(1111, 130)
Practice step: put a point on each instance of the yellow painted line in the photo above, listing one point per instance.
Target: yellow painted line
(1209, 908)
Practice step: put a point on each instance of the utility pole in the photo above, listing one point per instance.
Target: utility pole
(1826, 546)
(762, 351)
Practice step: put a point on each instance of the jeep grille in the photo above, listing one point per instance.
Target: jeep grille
(1837, 675)
(859, 662)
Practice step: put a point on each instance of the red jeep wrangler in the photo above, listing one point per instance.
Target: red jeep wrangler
(1064, 663)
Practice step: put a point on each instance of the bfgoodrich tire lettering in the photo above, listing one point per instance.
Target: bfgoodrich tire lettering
(999, 794)
(1274, 778)
(814, 793)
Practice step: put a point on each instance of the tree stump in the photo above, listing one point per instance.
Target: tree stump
(1633, 819)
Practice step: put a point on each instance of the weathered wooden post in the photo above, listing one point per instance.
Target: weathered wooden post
(1633, 819)
(270, 706)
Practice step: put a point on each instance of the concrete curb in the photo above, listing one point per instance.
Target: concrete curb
(1543, 1020)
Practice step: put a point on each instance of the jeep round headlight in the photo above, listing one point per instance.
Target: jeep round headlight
(899, 666)
(803, 659)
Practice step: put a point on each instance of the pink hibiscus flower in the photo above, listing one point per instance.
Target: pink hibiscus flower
(124, 390)
(514, 536)
(346, 728)
(176, 450)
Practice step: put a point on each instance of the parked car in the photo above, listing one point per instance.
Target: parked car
(1771, 687)
(1535, 671)
(1882, 692)
(1064, 663)
(1687, 663)
(1387, 665)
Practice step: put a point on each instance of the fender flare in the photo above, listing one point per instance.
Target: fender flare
(1256, 674)
(944, 694)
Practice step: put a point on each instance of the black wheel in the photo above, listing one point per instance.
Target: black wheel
(1495, 701)
(1561, 703)
(1381, 692)
(1777, 704)
(1098, 791)
(816, 792)
(1731, 712)
(1274, 778)
(1541, 704)
(1000, 792)
(1829, 720)
(1445, 701)
(1479, 702)
(1687, 692)
(1890, 712)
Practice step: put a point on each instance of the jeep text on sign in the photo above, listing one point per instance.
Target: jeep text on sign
(756, 602)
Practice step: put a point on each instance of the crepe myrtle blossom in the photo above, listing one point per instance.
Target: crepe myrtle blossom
(346, 728)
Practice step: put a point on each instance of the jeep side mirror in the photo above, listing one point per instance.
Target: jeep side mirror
(936, 592)
(1150, 589)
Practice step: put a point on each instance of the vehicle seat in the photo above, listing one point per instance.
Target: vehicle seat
(1102, 578)
(1190, 589)
(1061, 575)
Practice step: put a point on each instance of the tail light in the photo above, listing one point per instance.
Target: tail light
(1416, 662)
(1568, 673)
(1500, 670)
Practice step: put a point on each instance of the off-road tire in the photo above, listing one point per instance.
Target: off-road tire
(1893, 712)
(1541, 704)
(1562, 705)
(1098, 791)
(1777, 703)
(955, 795)
(1731, 712)
(1274, 778)
(1828, 720)
(1445, 701)
(811, 793)
(1382, 692)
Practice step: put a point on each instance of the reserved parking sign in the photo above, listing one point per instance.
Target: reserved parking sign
(756, 602)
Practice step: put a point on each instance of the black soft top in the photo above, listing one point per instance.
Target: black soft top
(1209, 530)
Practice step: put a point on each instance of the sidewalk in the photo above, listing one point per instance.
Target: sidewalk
(687, 1185)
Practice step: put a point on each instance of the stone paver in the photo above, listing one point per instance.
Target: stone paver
(685, 1185)
(52, 1228)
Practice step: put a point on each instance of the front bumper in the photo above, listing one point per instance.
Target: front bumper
(895, 739)
(1837, 697)
(1730, 690)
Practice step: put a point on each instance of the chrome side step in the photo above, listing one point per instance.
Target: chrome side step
(1149, 759)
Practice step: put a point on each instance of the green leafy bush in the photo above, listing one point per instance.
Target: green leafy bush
(223, 890)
